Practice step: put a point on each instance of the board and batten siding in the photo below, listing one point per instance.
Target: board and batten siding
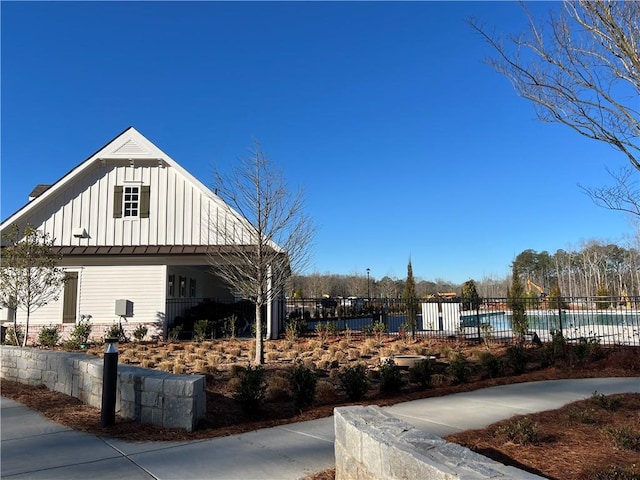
(180, 211)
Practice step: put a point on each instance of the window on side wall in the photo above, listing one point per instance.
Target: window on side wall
(171, 287)
(131, 201)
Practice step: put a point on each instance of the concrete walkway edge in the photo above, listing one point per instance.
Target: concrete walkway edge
(36, 448)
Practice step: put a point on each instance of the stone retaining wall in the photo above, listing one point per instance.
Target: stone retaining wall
(145, 395)
(371, 444)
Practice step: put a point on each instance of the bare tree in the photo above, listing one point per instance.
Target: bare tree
(581, 68)
(29, 275)
(264, 232)
(623, 196)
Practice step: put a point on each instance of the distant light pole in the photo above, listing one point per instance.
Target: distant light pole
(368, 285)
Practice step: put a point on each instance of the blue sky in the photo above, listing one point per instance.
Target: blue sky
(406, 143)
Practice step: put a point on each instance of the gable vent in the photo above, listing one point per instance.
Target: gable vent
(130, 148)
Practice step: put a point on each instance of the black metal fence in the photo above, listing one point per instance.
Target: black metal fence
(607, 320)
(226, 316)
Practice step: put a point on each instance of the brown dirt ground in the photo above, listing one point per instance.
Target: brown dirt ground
(224, 417)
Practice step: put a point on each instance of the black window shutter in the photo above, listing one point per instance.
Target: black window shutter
(117, 201)
(145, 192)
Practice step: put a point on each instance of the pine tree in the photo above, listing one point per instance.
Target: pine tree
(470, 297)
(517, 302)
(409, 294)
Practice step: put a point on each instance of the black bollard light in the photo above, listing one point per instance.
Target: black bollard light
(109, 383)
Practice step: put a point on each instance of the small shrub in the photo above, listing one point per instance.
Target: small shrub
(486, 332)
(613, 472)
(140, 332)
(147, 363)
(390, 378)
(178, 367)
(611, 402)
(79, 335)
(624, 437)
(166, 366)
(278, 389)
(116, 331)
(459, 368)
(353, 354)
(437, 379)
(421, 373)
(322, 329)
(296, 327)
(271, 356)
(586, 347)
(200, 328)
(49, 336)
(491, 364)
(379, 329)
(354, 381)
(583, 415)
(325, 393)
(303, 385)
(445, 351)
(523, 431)
(558, 345)
(517, 358)
(251, 391)
(174, 333)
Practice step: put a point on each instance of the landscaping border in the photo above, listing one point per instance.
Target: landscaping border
(144, 395)
(371, 444)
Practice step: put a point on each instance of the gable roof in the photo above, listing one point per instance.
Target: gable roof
(130, 145)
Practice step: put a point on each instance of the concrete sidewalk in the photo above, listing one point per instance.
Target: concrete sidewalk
(34, 447)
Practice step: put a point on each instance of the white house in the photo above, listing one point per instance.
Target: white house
(132, 226)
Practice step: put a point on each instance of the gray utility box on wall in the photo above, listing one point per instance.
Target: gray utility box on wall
(124, 308)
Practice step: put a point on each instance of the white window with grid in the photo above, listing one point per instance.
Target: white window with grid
(131, 201)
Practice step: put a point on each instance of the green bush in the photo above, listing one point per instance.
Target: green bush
(378, 330)
(116, 331)
(174, 333)
(200, 328)
(79, 335)
(624, 437)
(523, 431)
(586, 347)
(459, 368)
(558, 345)
(491, 364)
(303, 385)
(517, 358)
(296, 327)
(583, 415)
(611, 402)
(49, 336)
(251, 391)
(421, 373)
(140, 332)
(354, 381)
(390, 378)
